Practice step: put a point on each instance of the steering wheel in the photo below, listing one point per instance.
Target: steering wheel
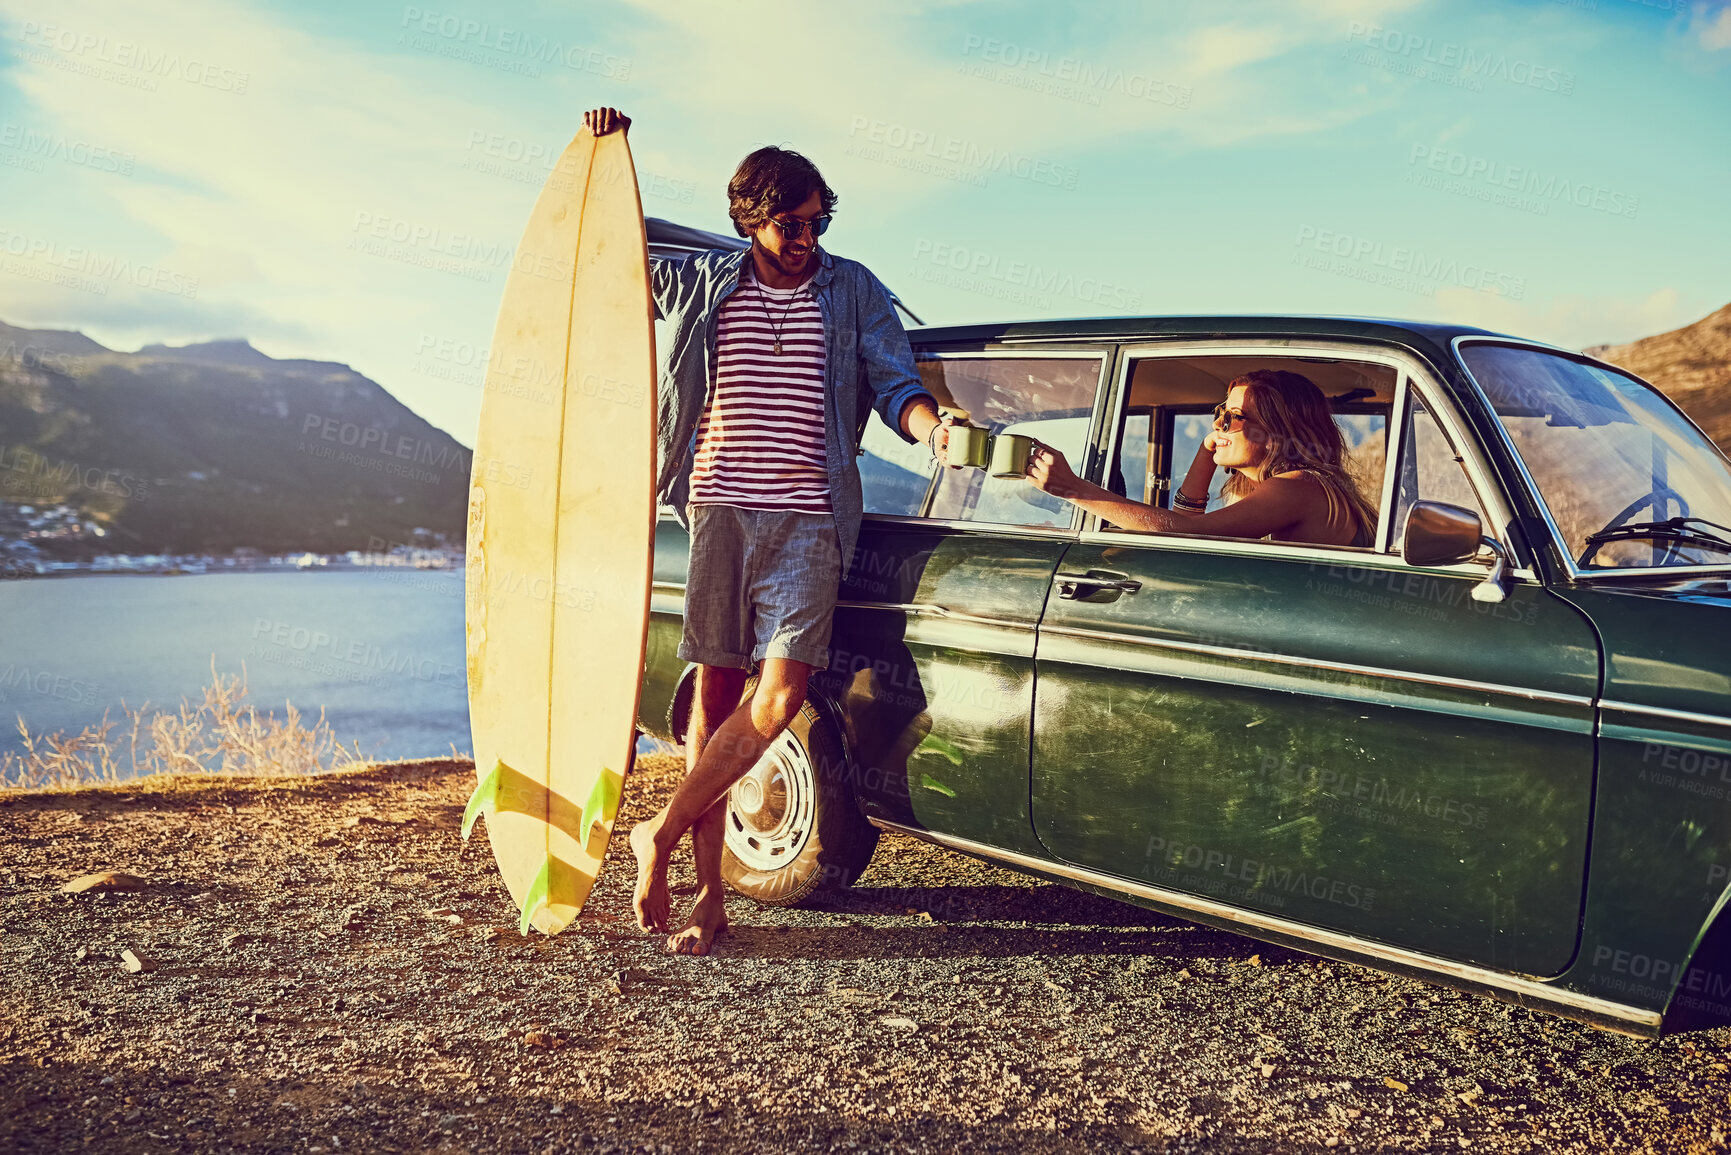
(1656, 499)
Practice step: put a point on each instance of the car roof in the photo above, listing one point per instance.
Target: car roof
(1423, 335)
(670, 240)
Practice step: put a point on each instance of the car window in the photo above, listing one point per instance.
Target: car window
(1614, 461)
(1188, 430)
(1130, 473)
(975, 495)
(1051, 399)
(1430, 470)
(893, 474)
(1366, 436)
(1170, 404)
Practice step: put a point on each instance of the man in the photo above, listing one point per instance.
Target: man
(771, 358)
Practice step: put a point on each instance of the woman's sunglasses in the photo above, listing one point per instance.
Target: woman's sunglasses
(1230, 420)
(793, 230)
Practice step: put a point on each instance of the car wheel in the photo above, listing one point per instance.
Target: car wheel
(792, 828)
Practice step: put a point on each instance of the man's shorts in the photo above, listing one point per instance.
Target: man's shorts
(760, 584)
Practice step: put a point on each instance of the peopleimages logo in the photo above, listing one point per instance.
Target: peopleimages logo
(1018, 280)
(417, 234)
(938, 148)
(31, 474)
(1067, 77)
(91, 270)
(1516, 186)
(1251, 878)
(89, 51)
(1701, 772)
(37, 357)
(39, 144)
(47, 684)
(349, 659)
(1651, 975)
(1345, 790)
(1470, 63)
(382, 441)
(522, 50)
(530, 162)
(1400, 266)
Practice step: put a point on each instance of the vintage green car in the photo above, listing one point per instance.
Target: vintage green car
(1492, 750)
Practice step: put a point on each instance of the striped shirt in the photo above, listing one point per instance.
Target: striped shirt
(760, 443)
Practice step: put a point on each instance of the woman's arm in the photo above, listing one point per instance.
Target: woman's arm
(1197, 479)
(1276, 505)
(1047, 470)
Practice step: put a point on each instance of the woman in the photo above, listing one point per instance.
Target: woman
(1275, 433)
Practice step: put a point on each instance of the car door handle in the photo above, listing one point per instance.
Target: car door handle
(1091, 585)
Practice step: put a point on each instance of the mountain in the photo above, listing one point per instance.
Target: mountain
(1691, 365)
(207, 448)
(236, 352)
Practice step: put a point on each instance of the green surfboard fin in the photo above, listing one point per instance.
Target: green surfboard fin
(485, 797)
(603, 796)
(537, 896)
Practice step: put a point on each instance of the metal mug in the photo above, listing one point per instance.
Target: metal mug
(1009, 455)
(969, 446)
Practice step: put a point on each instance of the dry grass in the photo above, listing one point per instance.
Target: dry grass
(220, 734)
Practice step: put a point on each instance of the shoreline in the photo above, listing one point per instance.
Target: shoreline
(7, 575)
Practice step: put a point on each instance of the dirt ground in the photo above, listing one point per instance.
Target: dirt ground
(300, 997)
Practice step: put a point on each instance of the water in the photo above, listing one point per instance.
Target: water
(381, 650)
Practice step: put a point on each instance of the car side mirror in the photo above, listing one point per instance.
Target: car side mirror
(1437, 533)
(1440, 534)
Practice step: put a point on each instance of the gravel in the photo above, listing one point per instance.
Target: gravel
(327, 969)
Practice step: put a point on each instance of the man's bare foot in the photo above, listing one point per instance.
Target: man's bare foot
(708, 923)
(650, 899)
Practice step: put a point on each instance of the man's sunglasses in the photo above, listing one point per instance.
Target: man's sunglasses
(793, 230)
(1230, 420)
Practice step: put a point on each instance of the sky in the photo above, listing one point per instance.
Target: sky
(346, 181)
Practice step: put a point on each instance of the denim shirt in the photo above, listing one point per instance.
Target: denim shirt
(868, 364)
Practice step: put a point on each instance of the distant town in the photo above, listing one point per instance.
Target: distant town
(56, 540)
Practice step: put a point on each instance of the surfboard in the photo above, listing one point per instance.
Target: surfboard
(561, 533)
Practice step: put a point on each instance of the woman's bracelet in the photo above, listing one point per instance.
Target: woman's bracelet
(1182, 500)
(931, 440)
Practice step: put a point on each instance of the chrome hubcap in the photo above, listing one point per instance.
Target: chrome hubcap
(770, 811)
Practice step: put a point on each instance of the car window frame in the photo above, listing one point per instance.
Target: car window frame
(1558, 543)
(1057, 350)
(1410, 374)
(1452, 435)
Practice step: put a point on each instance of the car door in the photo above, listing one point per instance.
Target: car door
(932, 658)
(1328, 736)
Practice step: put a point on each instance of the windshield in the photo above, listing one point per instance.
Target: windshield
(1609, 454)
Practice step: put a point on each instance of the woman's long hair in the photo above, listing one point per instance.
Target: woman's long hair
(1302, 436)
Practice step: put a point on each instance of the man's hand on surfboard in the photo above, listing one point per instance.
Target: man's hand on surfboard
(601, 121)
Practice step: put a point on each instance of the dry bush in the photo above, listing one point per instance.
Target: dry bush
(221, 734)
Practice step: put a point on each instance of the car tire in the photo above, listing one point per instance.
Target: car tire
(792, 830)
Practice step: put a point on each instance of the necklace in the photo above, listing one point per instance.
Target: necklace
(774, 326)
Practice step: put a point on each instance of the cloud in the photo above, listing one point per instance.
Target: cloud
(263, 183)
(265, 151)
(1713, 26)
(285, 201)
(959, 75)
(1225, 48)
(312, 187)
